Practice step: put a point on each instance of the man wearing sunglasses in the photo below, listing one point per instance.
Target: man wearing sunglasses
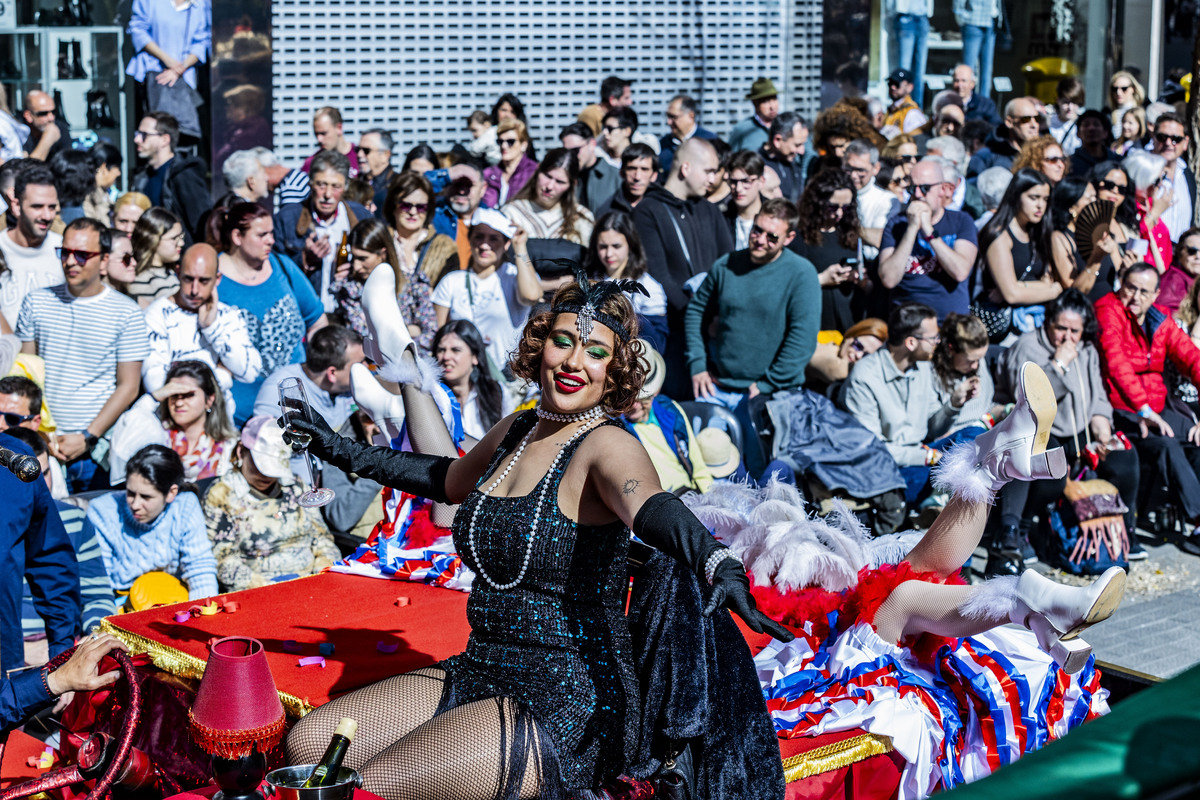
(93, 341)
(47, 134)
(1021, 124)
(375, 158)
(178, 183)
(29, 246)
(926, 254)
(752, 352)
(1171, 142)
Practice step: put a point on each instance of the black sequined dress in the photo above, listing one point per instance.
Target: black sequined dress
(557, 642)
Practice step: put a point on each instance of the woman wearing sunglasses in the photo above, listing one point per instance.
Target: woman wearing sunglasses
(515, 169)
(1124, 93)
(421, 252)
(837, 353)
(1179, 278)
(903, 148)
(1095, 275)
(893, 178)
(122, 266)
(1046, 156)
(828, 237)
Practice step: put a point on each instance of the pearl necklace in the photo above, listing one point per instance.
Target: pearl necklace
(590, 414)
(537, 512)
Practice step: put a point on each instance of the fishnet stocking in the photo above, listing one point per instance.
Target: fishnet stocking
(479, 751)
(385, 711)
(951, 539)
(916, 607)
(427, 432)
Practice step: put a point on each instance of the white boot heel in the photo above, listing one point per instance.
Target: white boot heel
(388, 332)
(1072, 609)
(1070, 654)
(385, 409)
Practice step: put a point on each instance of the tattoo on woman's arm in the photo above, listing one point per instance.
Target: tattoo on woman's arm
(630, 486)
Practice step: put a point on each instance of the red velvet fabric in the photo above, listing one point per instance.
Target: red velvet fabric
(351, 612)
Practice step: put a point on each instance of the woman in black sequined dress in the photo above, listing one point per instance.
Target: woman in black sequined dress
(544, 701)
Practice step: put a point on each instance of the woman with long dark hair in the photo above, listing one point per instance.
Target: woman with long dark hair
(547, 210)
(158, 240)
(188, 414)
(155, 525)
(420, 159)
(1095, 275)
(1015, 256)
(459, 350)
(828, 237)
(615, 253)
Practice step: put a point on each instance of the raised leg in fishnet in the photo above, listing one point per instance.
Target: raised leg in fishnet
(385, 712)
(483, 750)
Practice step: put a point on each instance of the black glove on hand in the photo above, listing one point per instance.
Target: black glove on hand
(415, 473)
(666, 523)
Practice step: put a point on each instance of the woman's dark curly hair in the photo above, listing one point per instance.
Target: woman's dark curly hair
(626, 372)
(813, 203)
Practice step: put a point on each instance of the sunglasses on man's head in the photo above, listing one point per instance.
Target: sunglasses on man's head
(1164, 138)
(81, 256)
(13, 420)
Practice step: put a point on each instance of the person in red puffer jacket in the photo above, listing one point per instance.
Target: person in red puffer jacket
(1136, 340)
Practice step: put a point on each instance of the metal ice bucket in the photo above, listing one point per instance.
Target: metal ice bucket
(285, 784)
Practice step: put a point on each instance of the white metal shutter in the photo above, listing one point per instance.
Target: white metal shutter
(419, 67)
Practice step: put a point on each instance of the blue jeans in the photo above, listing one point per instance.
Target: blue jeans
(739, 404)
(85, 475)
(916, 479)
(979, 52)
(912, 31)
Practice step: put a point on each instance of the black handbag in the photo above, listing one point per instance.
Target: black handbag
(997, 319)
(676, 778)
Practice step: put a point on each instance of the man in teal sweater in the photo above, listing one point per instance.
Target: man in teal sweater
(767, 305)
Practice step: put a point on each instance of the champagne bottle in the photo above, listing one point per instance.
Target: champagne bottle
(326, 772)
(343, 253)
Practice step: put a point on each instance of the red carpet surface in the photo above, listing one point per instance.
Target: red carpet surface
(355, 614)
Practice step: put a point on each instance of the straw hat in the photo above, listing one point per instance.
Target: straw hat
(656, 374)
(718, 452)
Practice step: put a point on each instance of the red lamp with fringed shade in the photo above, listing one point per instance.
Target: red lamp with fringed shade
(237, 716)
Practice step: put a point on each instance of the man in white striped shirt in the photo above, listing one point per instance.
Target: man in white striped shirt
(193, 324)
(93, 341)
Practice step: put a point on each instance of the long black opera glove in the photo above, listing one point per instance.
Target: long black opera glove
(415, 473)
(666, 523)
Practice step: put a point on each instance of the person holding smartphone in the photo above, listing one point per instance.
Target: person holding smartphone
(829, 238)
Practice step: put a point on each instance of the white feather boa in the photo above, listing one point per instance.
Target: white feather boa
(785, 546)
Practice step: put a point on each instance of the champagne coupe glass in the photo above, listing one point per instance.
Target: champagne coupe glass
(293, 401)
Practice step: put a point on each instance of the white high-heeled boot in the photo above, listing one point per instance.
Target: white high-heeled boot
(1072, 609)
(384, 408)
(388, 337)
(1013, 450)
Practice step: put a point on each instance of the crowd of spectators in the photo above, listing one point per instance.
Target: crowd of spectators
(900, 265)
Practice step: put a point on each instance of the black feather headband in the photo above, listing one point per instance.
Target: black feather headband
(594, 296)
